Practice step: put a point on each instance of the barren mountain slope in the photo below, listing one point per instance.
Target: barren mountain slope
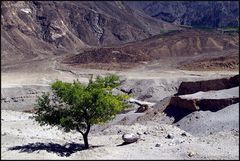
(184, 43)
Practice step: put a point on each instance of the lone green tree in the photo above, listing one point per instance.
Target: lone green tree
(75, 106)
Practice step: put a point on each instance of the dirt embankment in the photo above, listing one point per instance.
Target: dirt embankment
(215, 84)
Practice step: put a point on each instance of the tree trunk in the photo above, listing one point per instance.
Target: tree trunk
(85, 138)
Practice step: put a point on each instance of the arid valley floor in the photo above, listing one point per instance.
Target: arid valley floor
(201, 134)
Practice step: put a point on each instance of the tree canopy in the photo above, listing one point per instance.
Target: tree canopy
(75, 106)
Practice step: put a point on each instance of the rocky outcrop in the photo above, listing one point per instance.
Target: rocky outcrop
(95, 25)
(210, 100)
(215, 97)
(202, 104)
(206, 85)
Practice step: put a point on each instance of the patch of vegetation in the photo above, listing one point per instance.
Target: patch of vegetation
(164, 33)
(208, 29)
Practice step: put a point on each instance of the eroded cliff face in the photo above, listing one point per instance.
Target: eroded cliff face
(193, 13)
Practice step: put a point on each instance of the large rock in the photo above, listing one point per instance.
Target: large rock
(130, 138)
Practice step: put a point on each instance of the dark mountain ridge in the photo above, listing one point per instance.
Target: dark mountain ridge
(193, 13)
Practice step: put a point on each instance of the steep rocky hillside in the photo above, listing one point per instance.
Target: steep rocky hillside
(193, 13)
(35, 30)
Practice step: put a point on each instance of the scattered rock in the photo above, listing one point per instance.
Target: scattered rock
(179, 141)
(191, 154)
(157, 145)
(142, 108)
(129, 138)
(169, 136)
(139, 133)
(15, 100)
(3, 134)
(170, 144)
(7, 99)
(145, 133)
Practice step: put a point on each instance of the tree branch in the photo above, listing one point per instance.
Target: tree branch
(88, 129)
(77, 128)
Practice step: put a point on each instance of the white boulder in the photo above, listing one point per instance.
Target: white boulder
(130, 137)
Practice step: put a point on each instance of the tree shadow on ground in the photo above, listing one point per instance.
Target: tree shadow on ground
(124, 143)
(61, 150)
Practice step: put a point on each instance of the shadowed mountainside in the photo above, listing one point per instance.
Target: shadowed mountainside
(193, 13)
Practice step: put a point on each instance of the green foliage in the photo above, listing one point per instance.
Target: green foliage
(164, 33)
(77, 106)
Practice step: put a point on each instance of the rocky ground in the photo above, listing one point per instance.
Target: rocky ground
(198, 135)
(23, 138)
